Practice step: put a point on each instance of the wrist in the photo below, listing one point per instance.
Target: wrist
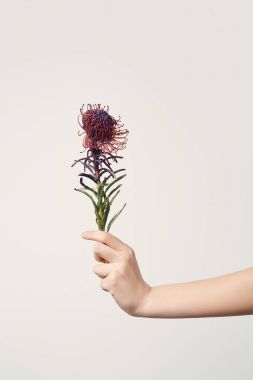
(140, 310)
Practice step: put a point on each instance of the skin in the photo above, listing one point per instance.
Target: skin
(116, 265)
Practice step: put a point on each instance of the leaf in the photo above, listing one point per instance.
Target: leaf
(89, 167)
(101, 194)
(115, 171)
(88, 195)
(88, 176)
(103, 170)
(114, 197)
(112, 183)
(116, 188)
(114, 217)
(119, 170)
(103, 184)
(107, 208)
(87, 187)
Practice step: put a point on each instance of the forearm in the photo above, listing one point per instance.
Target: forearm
(227, 295)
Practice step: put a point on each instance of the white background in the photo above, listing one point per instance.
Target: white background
(180, 75)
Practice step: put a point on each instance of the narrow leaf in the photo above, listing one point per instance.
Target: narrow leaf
(116, 188)
(117, 179)
(107, 208)
(89, 167)
(114, 197)
(115, 171)
(88, 176)
(88, 195)
(113, 219)
(87, 187)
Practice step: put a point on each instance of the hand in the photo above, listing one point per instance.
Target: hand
(120, 273)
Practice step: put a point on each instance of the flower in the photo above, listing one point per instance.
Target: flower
(103, 137)
(102, 131)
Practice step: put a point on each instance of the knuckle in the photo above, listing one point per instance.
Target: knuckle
(122, 268)
(129, 253)
(104, 236)
(96, 268)
(103, 285)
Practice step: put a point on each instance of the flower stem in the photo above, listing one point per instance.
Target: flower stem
(100, 216)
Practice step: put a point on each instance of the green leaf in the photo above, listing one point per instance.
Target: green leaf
(113, 219)
(103, 184)
(101, 195)
(108, 171)
(88, 195)
(92, 177)
(107, 208)
(116, 188)
(114, 197)
(112, 183)
(88, 188)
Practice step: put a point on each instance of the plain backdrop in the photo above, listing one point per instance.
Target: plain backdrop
(180, 76)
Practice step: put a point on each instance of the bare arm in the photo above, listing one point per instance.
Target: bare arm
(227, 295)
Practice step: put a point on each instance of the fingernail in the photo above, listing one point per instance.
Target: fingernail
(84, 234)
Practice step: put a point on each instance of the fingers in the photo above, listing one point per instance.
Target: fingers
(105, 238)
(104, 253)
(107, 283)
(111, 253)
(102, 270)
(98, 258)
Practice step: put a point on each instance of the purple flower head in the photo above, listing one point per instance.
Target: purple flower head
(102, 131)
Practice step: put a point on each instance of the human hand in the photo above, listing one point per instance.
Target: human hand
(120, 273)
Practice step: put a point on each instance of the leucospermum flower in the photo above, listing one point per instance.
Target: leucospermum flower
(103, 137)
(102, 130)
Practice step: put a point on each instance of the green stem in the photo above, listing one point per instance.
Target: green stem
(101, 219)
